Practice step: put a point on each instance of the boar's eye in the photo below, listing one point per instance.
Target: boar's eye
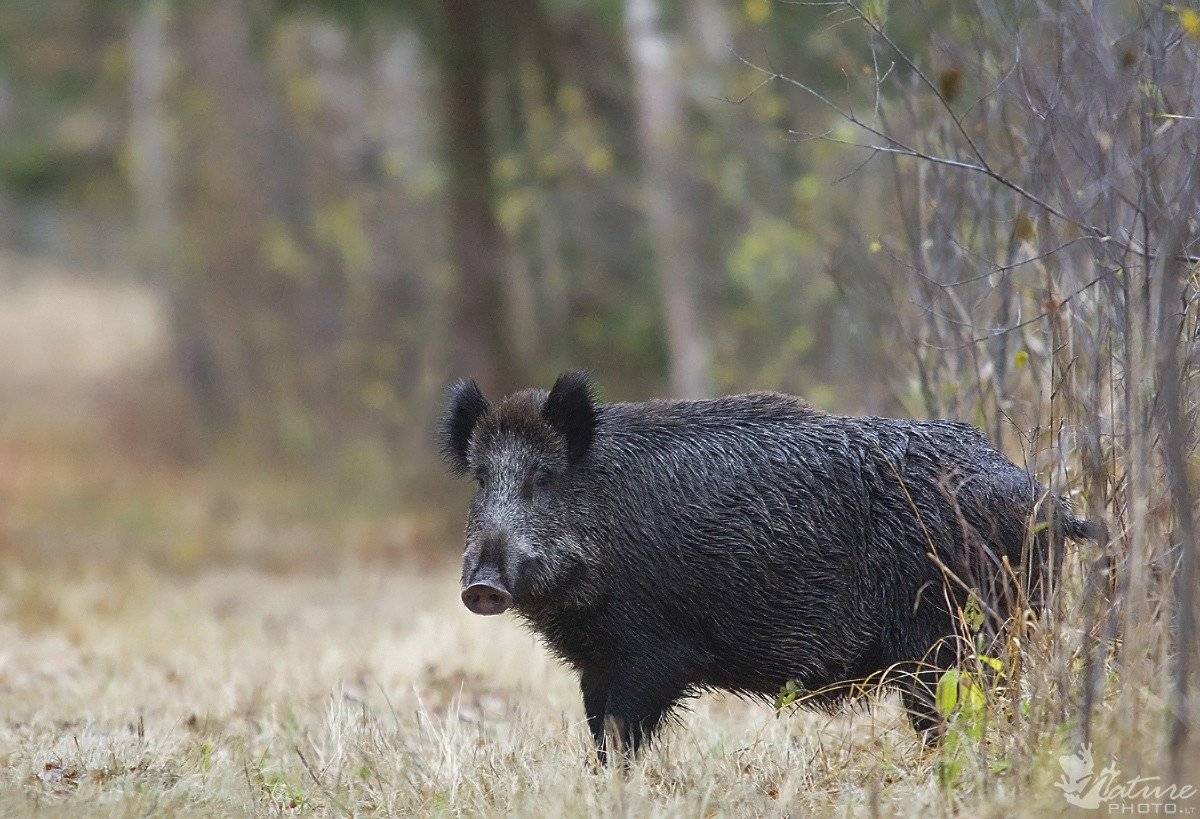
(538, 480)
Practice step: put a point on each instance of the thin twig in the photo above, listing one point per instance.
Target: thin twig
(1002, 330)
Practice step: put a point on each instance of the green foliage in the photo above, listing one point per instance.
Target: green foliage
(961, 702)
(971, 703)
(42, 168)
(973, 615)
(767, 257)
(776, 294)
(788, 695)
(357, 15)
(308, 215)
(339, 226)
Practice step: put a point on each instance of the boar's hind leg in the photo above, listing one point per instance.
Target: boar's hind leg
(635, 701)
(918, 691)
(918, 699)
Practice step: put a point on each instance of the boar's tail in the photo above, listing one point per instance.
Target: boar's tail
(1082, 529)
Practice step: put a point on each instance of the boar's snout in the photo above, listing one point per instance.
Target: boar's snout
(486, 598)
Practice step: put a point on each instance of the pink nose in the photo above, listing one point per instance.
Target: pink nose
(484, 598)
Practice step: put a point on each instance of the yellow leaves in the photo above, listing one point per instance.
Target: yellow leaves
(514, 210)
(1153, 93)
(280, 251)
(767, 107)
(875, 11)
(807, 188)
(960, 695)
(875, 246)
(570, 99)
(599, 159)
(1023, 229)
(768, 255)
(339, 225)
(973, 615)
(114, 63)
(550, 165)
(788, 694)
(757, 11)
(991, 662)
(303, 96)
(805, 192)
(743, 83)
(506, 168)
(950, 83)
(957, 690)
(800, 341)
(844, 131)
(1189, 21)
(1021, 359)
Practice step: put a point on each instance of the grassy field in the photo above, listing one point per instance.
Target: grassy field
(238, 692)
(224, 641)
(235, 692)
(172, 645)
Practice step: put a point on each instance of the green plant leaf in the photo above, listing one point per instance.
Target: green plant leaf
(946, 696)
(973, 615)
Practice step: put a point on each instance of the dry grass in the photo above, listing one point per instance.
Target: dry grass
(212, 642)
(239, 692)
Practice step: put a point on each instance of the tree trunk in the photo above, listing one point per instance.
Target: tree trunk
(153, 182)
(477, 246)
(662, 136)
(225, 200)
(271, 330)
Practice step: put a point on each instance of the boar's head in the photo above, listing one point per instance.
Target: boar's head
(526, 454)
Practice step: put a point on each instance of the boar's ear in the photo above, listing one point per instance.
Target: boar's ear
(571, 410)
(465, 405)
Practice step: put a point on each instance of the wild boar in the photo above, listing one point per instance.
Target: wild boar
(665, 548)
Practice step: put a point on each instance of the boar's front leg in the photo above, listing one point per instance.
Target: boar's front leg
(594, 684)
(625, 707)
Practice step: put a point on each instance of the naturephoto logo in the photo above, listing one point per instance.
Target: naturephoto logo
(1139, 795)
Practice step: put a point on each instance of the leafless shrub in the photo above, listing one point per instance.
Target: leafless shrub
(1044, 256)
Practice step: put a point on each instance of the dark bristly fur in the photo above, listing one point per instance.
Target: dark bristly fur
(571, 409)
(464, 406)
(668, 547)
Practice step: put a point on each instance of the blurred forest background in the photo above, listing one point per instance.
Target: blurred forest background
(244, 244)
(265, 235)
(251, 241)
